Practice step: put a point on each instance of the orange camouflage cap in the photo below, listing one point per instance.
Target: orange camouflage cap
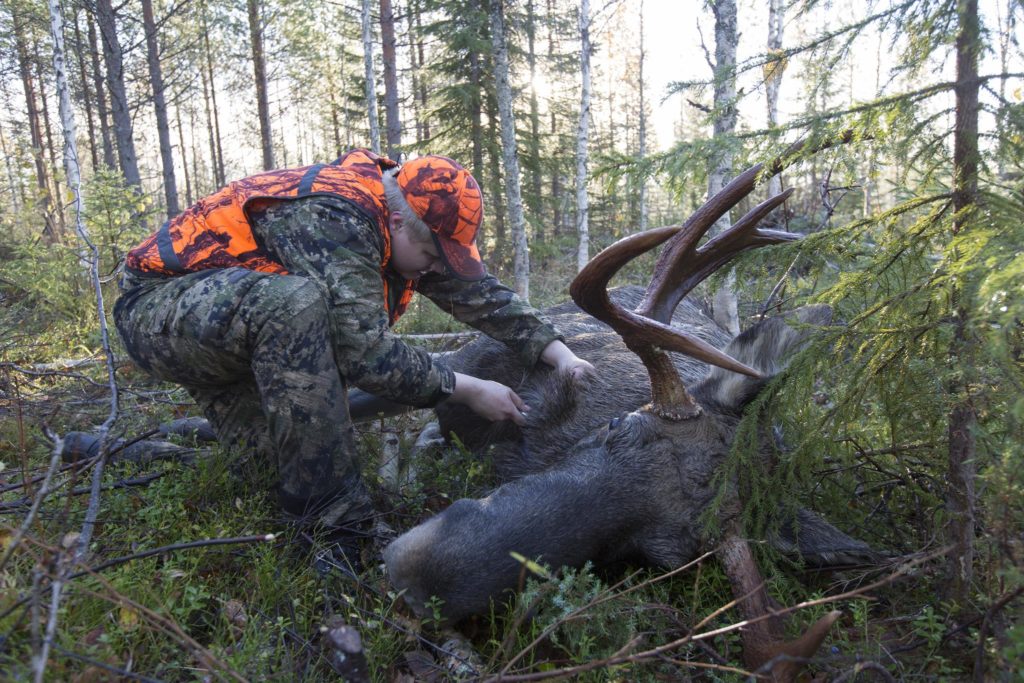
(447, 198)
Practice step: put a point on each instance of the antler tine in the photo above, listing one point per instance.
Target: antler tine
(643, 336)
(694, 264)
(763, 644)
(673, 266)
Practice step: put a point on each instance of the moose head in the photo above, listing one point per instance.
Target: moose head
(594, 483)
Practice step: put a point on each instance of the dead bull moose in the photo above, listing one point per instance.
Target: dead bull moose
(594, 476)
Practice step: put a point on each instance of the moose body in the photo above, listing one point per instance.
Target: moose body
(590, 477)
(615, 467)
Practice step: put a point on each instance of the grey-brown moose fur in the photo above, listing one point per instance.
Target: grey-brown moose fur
(589, 478)
(598, 473)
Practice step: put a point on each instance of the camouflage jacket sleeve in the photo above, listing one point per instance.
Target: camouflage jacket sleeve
(495, 310)
(337, 247)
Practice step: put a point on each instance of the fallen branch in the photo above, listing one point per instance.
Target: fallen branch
(691, 637)
(82, 490)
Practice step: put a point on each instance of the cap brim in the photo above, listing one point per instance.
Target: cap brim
(462, 261)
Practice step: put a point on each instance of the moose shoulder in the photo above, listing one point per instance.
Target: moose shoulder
(615, 467)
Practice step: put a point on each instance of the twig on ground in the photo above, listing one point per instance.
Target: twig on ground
(859, 667)
(41, 494)
(121, 673)
(82, 490)
(691, 637)
(603, 596)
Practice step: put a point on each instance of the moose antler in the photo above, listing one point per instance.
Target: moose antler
(681, 266)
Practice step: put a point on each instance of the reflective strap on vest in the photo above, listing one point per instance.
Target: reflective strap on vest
(166, 249)
(308, 178)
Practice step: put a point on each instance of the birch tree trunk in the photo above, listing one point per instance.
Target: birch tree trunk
(582, 139)
(720, 164)
(476, 129)
(962, 465)
(391, 113)
(371, 84)
(773, 75)
(259, 69)
(510, 154)
(163, 127)
(101, 95)
(642, 151)
(112, 58)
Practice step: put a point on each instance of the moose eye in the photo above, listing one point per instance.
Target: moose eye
(614, 423)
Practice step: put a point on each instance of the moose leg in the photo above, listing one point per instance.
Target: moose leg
(762, 637)
(463, 555)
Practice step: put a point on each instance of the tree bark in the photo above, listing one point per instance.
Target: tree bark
(212, 113)
(582, 140)
(113, 60)
(535, 201)
(163, 127)
(720, 164)
(510, 154)
(642, 132)
(494, 169)
(87, 99)
(21, 41)
(259, 69)
(51, 148)
(962, 465)
(476, 127)
(101, 95)
(184, 157)
(371, 83)
(391, 114)
(773, 75)
(422, 62)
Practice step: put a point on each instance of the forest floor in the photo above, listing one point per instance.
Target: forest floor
(192, 574)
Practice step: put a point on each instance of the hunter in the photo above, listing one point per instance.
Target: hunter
(268, 298)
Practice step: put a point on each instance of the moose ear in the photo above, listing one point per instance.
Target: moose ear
(764, 347)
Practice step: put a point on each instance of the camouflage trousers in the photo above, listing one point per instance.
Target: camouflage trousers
(254, 351)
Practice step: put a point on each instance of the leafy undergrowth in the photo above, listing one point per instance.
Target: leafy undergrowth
(256, 608)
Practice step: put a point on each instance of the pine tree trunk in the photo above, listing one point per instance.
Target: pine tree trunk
(163, 128)
(962, 470)
(494, 172)
(535, 201)
(642, 133)
(422, 63)
(212, 113)
(101, 95)
(122, 116)
(87, 99)
(773, 75)
(720, 164)
(476, 129)
(21, 41)
(391, 114)
(510, 154)
(371, 83)
(582, 140)
(259, 70)
(210, 132)
(414, 69)
(184, 156)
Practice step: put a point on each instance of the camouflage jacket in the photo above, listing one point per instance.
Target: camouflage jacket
(336, 246)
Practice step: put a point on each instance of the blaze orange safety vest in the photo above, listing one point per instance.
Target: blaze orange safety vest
(216, 231)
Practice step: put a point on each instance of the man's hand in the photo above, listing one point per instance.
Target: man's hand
(488, 399)
(561, 358)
